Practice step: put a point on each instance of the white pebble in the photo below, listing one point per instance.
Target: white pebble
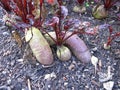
(53, 75)
(9, 81)
(66, 83)
(49, 76)
(5, 33)
(49, 86)
(20, 60)
(108, 85)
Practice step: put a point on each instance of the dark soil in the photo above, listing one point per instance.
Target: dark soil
(18, 68)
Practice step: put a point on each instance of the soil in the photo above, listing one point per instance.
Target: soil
(20, 71)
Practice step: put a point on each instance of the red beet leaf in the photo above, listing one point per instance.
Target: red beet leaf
(80, 1)
(6, 4)
(112, 36)
(24, 9)
(109, 3)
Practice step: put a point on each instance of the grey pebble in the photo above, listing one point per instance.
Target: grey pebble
(5, 88)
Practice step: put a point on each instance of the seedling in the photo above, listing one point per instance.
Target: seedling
(62, 36)
(80, 7)
(111, 37)
(109, 3)
(31, 20)
(100, 11)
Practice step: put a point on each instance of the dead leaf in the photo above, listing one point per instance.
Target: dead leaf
(94, 61)
(17, 37)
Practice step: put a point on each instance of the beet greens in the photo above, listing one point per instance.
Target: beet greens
(109, 3)
(26, 10)
(112, 36)
(62, 25)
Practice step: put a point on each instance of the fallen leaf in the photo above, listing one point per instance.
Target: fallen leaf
(94, 61)
(108, 85)
(17, 37)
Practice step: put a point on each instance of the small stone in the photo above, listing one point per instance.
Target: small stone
(106, 46)
(9, 81)
(64, 78)
(4, 72)
(74, 62)
(5, 33)
(53, 75)
(108, 59)
(66, 83)
(12, 63)
(91, 52)
(72, 66)
(95, 49)
(49, 86)
(47, 76)
(86, 70)
(87, 87)
(37, 64)
(73, 88)
(83, 75)
(108, 85)
(20, 60)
